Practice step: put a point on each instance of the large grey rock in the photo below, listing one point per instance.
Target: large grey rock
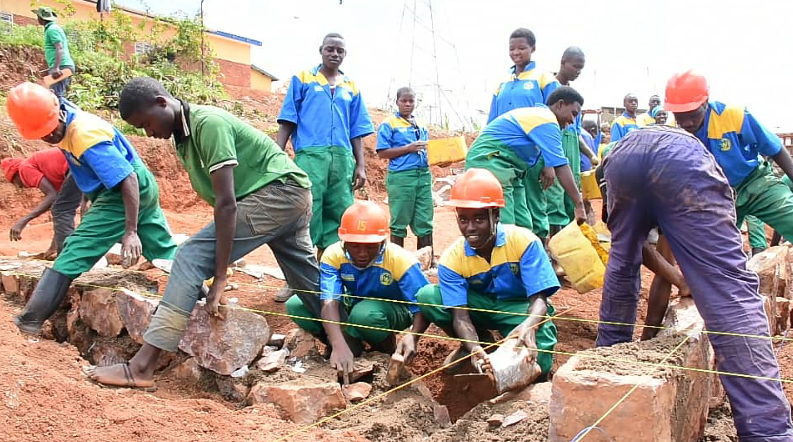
(224, 345)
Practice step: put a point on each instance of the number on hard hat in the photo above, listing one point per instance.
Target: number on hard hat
(364, 222)
(34, 110)
(686, 92)
(476, 189)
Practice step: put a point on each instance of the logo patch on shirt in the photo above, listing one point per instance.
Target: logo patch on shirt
(528, 86)
(386, 279)
(318, 88)
(515, 269)
(725, 144)
(347, 277)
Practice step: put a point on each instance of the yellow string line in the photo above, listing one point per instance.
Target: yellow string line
(393, 390)
(449, 338)
(470, 309)
(624, 397)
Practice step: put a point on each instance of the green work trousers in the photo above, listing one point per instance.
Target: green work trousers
(766, 197)
(561, 208)
(515, 210)
(536, 200)
(410, 202)
(330, 170)
(377, 313)
(105, 224)
(513, 313)
(756, 228)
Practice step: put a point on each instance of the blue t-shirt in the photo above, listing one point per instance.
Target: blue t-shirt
(324, 117)
(395, 274)
(737, 140)
(99, 155)
(396, 131)
(518, 268)
(525, 89)
(527, 132)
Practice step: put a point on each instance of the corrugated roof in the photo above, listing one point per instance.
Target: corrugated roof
(263, 72)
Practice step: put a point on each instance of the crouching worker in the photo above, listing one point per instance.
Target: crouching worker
(259, 197)
(382, 280)
(501, 273)
(107, 169)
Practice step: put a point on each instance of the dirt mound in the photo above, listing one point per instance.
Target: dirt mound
(474, 426)
(19, 64)
(720, 426)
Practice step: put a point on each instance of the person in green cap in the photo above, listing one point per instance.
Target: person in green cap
(56, 49)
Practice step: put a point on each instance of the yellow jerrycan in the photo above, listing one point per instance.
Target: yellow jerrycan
(446, 150)
(578, 250)
(589, 186)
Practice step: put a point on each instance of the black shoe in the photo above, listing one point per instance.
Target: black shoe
(46, 299)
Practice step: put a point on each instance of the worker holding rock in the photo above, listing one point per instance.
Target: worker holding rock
(501, 273)
(259, 197)
(48, 171)
(526, 86)
(627, 121)
(738, 142)
(109, 172)
(324, 115)
(561, 208)
(661, 176)
(403, 142)
(375, 281)
(520, 139)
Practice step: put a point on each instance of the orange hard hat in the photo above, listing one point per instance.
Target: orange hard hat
(685, 92)
(34, 110)
(364, 222)
(476, 189)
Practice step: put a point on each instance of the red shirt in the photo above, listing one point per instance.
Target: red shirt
(49, 163)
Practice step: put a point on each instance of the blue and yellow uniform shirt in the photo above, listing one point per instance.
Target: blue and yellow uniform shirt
(396, 131)
(645, 120)
(521, 136)
(518, 268)
(395, 274)
(324, 116)
(99, 156)
(737, 140)
(525, 89)
(622, 125)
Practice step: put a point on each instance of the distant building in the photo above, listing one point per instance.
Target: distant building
(232, 52)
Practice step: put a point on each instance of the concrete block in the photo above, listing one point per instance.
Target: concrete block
(668, 404)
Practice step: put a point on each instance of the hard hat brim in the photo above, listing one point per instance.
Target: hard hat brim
(684, 107)
(364, 239)
(461, 204)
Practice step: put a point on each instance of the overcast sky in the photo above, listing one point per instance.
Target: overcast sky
(742, 46)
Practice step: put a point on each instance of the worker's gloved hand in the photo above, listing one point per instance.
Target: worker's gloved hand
(407, 348)
(547, 177)
(55, 73)
(131, 249)
(16, 231)
(359, 177)
(342, 359)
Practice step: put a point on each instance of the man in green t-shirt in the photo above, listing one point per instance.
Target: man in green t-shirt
(259, 195)
(56, 49)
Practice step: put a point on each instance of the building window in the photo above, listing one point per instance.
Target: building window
(141, 48)
(5, 17)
